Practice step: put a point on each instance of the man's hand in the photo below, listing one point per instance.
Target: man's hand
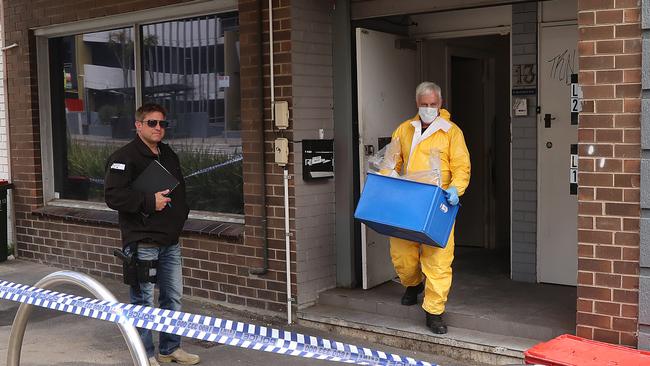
(162, 200)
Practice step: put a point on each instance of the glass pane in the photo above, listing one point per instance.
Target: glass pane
(92, 77)
(191, 66)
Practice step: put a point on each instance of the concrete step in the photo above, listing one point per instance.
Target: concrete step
(474, 347)
(525, 319)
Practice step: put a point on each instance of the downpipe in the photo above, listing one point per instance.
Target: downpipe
(287, 246)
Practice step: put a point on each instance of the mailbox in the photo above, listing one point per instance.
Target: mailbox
(317, 159)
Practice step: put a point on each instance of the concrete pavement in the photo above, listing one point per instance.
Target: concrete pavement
(55, 338)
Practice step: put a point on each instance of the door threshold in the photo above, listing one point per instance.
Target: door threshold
(405, 333)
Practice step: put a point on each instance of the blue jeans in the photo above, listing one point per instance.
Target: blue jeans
(170, 283)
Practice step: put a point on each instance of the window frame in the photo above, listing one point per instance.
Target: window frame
(136, 20)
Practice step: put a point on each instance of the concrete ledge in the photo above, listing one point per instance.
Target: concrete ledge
(459, 344)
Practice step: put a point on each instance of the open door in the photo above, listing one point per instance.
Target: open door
(557, 216)
(386, 81)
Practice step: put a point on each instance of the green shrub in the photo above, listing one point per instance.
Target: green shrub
(219, 190)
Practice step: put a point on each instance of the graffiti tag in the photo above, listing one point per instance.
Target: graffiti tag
(562, 66)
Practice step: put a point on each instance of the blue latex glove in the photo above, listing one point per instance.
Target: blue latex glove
(452, 195)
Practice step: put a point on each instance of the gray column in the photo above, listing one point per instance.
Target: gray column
(524, 152)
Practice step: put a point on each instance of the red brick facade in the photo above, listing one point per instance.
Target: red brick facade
(609, 148)
(213, 268)
(251, 130)
(219, 268)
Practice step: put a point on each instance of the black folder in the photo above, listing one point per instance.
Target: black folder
(155, 178)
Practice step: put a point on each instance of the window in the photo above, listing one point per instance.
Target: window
(190, 66)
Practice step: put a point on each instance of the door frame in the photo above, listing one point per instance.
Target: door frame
(540, 26)
(489, 231)
(502, 31)
(420, 40)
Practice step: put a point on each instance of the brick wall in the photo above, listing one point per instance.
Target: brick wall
(644, 278)
(213, 268)
(609, 166)
(4, 140)
(311, 54)
(251, 126)
(524, 152)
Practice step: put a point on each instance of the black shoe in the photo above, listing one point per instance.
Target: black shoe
(410, 296)
(435, 323)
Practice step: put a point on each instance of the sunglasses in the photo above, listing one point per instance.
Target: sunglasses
(153, 122)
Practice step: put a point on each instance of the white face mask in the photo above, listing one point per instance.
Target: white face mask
(427, 114)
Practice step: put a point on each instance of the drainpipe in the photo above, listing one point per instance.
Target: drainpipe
(286, 172)
(287, 242)
(271, 64)
(260, 74)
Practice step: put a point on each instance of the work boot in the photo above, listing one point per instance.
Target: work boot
(181, 357)
(153, 361)
(435, 323)
(410, 296)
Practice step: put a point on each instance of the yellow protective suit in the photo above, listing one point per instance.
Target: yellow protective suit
(412, 260)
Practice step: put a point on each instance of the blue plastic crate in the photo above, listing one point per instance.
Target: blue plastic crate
(405, 209)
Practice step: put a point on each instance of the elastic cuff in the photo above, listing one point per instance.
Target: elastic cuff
(149, 203)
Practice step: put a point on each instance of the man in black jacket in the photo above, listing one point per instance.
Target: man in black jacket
(151, 224)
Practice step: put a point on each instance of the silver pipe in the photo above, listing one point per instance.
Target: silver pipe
(272, 72)
(215, 51)
(137, 66)
(192, 65)
(133, 341)
(287, 242)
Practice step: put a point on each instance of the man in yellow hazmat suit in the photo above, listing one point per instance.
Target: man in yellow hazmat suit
(424, 267)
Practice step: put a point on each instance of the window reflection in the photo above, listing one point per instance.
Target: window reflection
(190, 66)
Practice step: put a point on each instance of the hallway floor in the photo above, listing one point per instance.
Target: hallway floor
(485, 307)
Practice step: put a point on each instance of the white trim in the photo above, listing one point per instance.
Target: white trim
(160, 14)
(45, 118)
(557, 23)
(367, 9)
(199, 215)
(501, 30)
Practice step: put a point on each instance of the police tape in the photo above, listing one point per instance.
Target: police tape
(236, 159)
(205, 328)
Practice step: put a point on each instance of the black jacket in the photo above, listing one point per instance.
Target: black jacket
(138, 218)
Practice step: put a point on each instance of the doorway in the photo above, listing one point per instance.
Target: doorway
(473, 68)
(474, 74)
(469, 107)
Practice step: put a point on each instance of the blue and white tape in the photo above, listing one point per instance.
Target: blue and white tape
(236, 159)
(217, 166)
(205, 328)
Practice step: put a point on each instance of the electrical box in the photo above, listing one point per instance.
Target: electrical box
(317, 159)
(281, 110)
(281, 151)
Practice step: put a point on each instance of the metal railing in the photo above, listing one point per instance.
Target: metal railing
(133, 341)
